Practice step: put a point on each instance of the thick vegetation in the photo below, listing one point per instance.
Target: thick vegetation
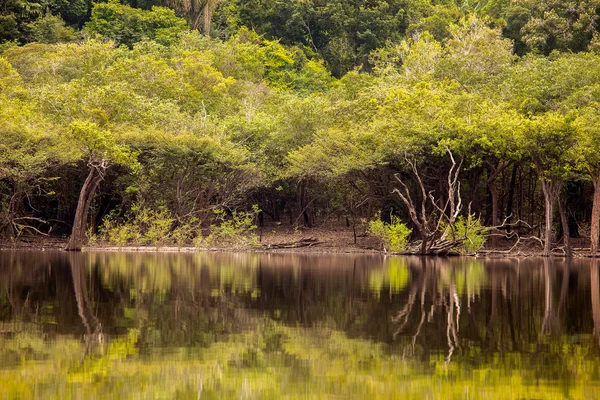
(125, 121)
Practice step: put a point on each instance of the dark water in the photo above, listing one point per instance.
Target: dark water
(130, 325)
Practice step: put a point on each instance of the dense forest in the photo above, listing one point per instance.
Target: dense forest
(170, 121)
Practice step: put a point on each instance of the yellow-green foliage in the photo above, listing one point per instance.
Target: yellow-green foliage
(393, 275)
(147, 226)
(235, 230)
(467, 276)
(394, 236)
(273, 361)
(473, 233)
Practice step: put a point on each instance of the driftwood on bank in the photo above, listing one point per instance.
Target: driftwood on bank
(437, 247)
(304, 242)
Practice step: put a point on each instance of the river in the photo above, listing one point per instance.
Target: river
(273, 326)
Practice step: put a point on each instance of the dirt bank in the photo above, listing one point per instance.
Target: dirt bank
(328, 241)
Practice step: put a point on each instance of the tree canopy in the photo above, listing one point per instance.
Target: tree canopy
(307, 109)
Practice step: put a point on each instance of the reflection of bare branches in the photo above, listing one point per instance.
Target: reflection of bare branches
(453, 322)
(457, 302)
(422, 320)
(450, 300)
(416, 335)
(405, 312)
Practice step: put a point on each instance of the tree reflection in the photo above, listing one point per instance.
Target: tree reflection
(441, 295)
(595, 293)
(550, 322)
(88, 317)
(448, 316)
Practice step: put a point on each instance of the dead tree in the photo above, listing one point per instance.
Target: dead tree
(431, 213)
(434, 218)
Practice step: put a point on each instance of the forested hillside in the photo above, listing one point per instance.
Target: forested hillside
(149, 121)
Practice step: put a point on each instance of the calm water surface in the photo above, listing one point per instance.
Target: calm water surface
(254, 326)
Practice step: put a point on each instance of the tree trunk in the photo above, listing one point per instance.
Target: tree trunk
(548, 190)
(83, 205)
(303, 204)
(205, 14)
(564, 221)
(207, 17)
(595, 228)
(511, 195)
(424, 243)
(494, 199)
(475, 178)
(494, 171)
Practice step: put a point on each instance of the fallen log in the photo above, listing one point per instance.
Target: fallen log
(304, 242)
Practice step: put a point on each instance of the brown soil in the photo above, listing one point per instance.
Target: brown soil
(329, 241)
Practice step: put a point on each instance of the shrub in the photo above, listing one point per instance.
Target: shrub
(185, 232)
(235, 229)
(154, 226)
(473, 233)
(114, 232)
(146, 226)
(394, 236)
(51, 29)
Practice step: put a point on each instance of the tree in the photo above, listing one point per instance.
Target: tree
(560, 25)
(51, 29)
(99, 149)
(549, 140)
(587, 120)
(126, 25)
(561, 85)
(29, 149)
(342, 32)
(475, 55)
(14, 17)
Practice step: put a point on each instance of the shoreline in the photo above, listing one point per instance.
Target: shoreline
(308, 241)
(190, 249)
(316, 250)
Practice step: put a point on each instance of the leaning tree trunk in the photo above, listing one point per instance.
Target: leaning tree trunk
(595, 228)
(83, 206)
(207, 17)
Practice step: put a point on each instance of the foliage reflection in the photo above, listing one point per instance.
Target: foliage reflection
(296, 326)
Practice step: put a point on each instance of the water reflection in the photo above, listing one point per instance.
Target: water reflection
(273, 325)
